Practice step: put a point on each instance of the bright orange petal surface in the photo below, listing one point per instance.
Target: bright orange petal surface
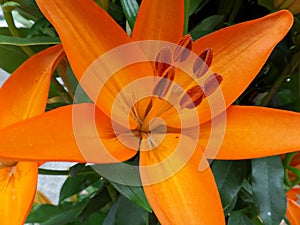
(159, 20)
(189, 196)
(25, 92)
(240, 51)
(56, 136)
(253, 132)
(17, 190)
(85, 30)
(294, 193)
(293, 212)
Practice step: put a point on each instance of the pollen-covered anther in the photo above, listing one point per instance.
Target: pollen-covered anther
(163, 61)
(183, 49)
(192, 97)
(203, 62)
(163, 86)
(211, 84)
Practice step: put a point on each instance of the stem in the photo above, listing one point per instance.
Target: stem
(7, 12)
(54, 172)
(63, 93)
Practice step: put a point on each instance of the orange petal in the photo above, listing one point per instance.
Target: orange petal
(240, 51)
(17, 190)
(64, 134)
(293, 212)
(252, 132)
(189, 196)
(294, 193)
(85, 30)
(25, 92)
(159, 20)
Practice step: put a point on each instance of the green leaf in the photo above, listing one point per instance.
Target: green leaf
(11, 58)
(80, 95)
(95, 203)
(267, 3)
(238, 218)
(116, 11)
(195, 4)
(17, 41)
(41, 213)
(123, 174)
(75, 184)
(125, 212)
(130, 8)
(133, 193)
(268, 192)
(95, 219)
(206, 26)
(229, 177)
(64, 217)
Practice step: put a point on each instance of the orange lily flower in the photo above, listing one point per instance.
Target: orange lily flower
(293, 208)
(23, 95)
(189, 196)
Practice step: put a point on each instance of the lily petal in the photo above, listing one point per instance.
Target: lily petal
(85, 30)
(189, 196)
(240, 51)
(293, 212)
(250, 133)
(87, 33)
(58, 135)
(17, 190)
(25, 92)
(159, 20)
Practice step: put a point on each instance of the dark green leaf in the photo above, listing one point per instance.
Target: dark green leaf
(95, 203)
(125, 212)
(41, 213)
(95, 219)
(133, 193)
(122, 175)
(64, 217)
(238, 218)
(116, 11)
(206, 26)
(130, 8)
(75, 184)
(268, 192)
(130, 213)
(267, 3)
(229, 177)
(194, 5)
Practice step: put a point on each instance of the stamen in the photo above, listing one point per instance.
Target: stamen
(192, 98)
(203, 63)
(163, 86)
(181, 54)
(212, 83)
(163, 61)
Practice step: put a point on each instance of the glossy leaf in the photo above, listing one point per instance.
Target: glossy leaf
(130, 8)
(268, 193)
(41, 213)
(133, 193)
(125, 212)
(206, 26)
(238, 218)
(229, 177)
(75, 184)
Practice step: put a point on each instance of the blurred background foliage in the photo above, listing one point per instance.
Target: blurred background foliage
(253, 192)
